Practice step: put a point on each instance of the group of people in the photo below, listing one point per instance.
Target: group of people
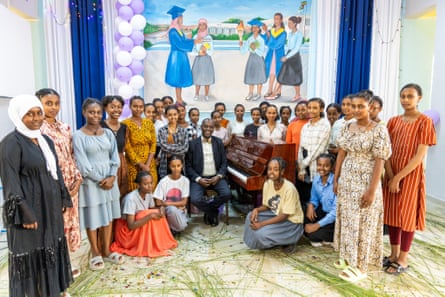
(130, 184)
(273, 54)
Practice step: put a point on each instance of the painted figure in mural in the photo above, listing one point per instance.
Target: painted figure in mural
(178, 73)
(202, 69)
(275, 41)
(291, 72)
(255, 73)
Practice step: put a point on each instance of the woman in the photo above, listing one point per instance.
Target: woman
(172, 140)
(272, 131)
(279, 221)
(97, 158)
(141, 144)
(113, 106)
(35, 197)
(237, 126)
(291, 73)
(60, 134)
(251, 130)
(143, 229)
(178, 73)
(363, 148)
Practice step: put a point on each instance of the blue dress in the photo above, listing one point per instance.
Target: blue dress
(178, 73)
(275, 46)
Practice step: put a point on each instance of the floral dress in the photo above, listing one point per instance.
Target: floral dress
(359, 231)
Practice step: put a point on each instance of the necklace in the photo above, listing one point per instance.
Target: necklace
(364, 128)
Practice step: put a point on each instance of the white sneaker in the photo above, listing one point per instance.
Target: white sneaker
(316, 244)
(256, 97)
(196, 97)
(206, 98)
(327, 243)
(249, 97)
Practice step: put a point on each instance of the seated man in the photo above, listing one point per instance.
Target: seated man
(206, 166)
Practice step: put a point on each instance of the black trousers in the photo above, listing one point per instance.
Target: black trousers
(325, 233)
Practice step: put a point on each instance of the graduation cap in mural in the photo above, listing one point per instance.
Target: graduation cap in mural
(176, 11)
(255, 22)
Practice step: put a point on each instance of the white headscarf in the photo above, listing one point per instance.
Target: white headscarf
(18, 107)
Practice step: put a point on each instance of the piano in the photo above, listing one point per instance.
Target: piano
(247, 161)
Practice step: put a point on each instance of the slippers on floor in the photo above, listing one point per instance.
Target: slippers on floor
(340, 264)
(386, 262)
(97, 263)
(398, 269)
(75, 271)
(114, 258)
(352, 274)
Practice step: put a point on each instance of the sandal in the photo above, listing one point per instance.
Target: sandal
(296, 99)
(115, 258)
(268, 94)
(273, 97)
(97, 263)
(75, 271)
(341, 264)
(386, 262)
(352, 274)
(399, 269)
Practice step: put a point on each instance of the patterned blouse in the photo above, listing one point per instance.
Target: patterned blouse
(178, 146)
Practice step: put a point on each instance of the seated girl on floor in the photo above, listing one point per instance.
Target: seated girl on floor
(279, 221)
(322, 207)
(172, 193)
(143, 230)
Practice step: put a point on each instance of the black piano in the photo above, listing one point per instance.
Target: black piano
(247, 161)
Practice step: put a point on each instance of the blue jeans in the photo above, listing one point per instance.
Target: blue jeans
(210, 207)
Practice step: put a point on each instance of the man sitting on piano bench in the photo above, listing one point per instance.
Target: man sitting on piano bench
(206, 167)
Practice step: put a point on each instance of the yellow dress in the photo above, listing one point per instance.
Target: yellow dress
(141, 143)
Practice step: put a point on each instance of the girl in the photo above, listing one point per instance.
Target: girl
(279, 221)
(272, 131)
(194, 129)
(333, 112)
(313, 142)
(322, 207)
(348, 117)
(263, 106)
(150, 112)
(363, 148)
(141, 145)
(220, 132)
(404, 194)
(172, 193)
(113, 106)
(221, 108)
(376, 108)
(181, 116)
(291, 73)
(285, 113)
(275, 42)
(143, 229)
(202, 69)
(97, 158)
(252, 129)
(255, 73)
(60, 134)
(167, 100)
(172, 140)
(237, 127)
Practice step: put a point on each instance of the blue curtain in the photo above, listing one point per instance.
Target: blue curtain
(354, 48)
(87, 50)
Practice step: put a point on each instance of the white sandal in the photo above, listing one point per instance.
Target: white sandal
(115, 258)
(97, 263)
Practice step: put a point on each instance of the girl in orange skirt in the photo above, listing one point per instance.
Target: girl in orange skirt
(143, 230)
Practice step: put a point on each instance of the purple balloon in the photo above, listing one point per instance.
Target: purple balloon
(118, 5)
(136, 67)
(126, 112)
(123, 74)
(125, 12)
(137, 37)
(126, 44)
(137, 6)
(117, 36)
(434, 115)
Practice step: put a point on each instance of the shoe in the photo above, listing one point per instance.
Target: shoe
(206, 219)
(289, 249)
(206, 98)
(340, 264)
(214, 221)
(398, 269)
(256, 97)
(97, 263)
(196, 97)
(386, 262)
(352, 274)
(75, 271)
(273, 97)
(316, 244)
(296, 99)
(268, 94)
(114, 258)
(327, 243)
(249, 97)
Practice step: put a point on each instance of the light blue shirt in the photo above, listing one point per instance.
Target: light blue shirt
(259, 50)
(324, 195)
(294, 43)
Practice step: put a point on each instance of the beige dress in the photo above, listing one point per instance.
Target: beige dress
(359, 231)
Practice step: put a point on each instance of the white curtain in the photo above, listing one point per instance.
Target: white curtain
(109, 15)
(324, 48)
(59, 57)
(384, 76)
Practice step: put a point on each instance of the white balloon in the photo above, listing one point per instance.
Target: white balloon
(117, 83)
(124, 2)
(118, 20)
(125, 28)
(138, 22)
(116, 50)
(125, 91)
(138, 52)
(137, 82)
(124, 58)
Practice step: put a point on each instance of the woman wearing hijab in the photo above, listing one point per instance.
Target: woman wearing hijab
(36, 196)
(178, 73)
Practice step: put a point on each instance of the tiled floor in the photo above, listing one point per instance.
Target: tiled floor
(215, 262)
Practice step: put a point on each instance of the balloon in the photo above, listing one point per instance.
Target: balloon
(118, 20)
(125, 91)
(117, 36)
(137, 82)
(126, 44)
(123, 73)
(124, 58)
(125, 12)
(126, 112)
(137, 6)
(116, 50)
(136, 67)
(124, 2)
(434, 115)
(118, 5)
(125, 28)
(137, 37)
(117, 83)
(138, 52)
(138, 22)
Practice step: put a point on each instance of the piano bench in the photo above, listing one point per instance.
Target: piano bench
(210, 193)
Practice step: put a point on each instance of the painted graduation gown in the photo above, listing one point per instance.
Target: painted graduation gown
(178, 73)
(275, 44)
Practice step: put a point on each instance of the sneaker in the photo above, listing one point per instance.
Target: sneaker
(206, 98)
(249, 97)
(256, 97)
(327, 243)
(196, 97)
(316, 244)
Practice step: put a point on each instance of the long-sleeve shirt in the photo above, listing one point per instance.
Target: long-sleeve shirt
(260, 48)
(323, 195)
(294, 43)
